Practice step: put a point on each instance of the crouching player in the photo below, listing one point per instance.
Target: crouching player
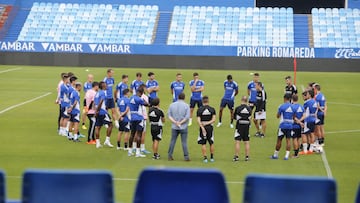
(286, 115)
(242, 115)
(157, 118)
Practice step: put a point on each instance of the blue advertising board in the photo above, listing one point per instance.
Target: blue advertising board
(235, 51)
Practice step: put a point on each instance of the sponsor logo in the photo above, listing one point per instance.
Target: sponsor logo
(347, 53)
(17, 46)
(110, 48)
(276, 52)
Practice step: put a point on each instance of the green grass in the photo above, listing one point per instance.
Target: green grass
(29, 138)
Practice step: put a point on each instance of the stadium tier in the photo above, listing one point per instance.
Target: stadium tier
(336, 27)
(89, 23)
(231, 26)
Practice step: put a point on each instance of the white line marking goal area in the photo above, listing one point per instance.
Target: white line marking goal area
(23, 103)
(9, 70)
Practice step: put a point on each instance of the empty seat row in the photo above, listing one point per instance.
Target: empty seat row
(257, 26)
(59, 186)
(333, 27)
(89, 25)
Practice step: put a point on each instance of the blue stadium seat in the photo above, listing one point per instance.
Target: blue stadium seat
(179, 185)
(284, 189)
(67, 186)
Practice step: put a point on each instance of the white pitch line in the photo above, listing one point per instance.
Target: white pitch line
(25, 102)
(342, 131)
(8, 70)
(326, 164)
(346, 104)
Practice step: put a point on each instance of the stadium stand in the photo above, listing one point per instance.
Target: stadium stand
(335, 27)
(88, 23)
(231, 26)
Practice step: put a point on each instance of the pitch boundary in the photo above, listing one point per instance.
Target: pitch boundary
(23, 103)
(8, 70)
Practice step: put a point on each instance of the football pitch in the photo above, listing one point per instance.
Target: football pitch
(29, 139)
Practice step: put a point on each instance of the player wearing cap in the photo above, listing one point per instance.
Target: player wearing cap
(231, 90)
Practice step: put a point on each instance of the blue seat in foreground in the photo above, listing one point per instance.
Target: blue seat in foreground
(180, 185)
(60, 186)
(284, 189)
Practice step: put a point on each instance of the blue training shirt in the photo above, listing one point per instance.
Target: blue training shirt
(286, 116)
(75, 97)
(120, 88)
(64, 96)
(320, 99)
(230, 89)
(310, 107)
(100, 95)
(87, 86)
(152, 83)
(299, 112)
(196, 95)
(109, 87)
(135, 108)
(123, 103)
(177, 87)
(135, 85)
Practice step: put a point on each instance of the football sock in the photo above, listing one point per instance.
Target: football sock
(211, 156)
(305, 147)
(276, 153)
(142, 147)
(118, 144)
(287, 154)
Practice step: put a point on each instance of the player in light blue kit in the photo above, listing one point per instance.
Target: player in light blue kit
(102, 116)
(286, 115)
(152, 86)
(231, 90)
(197, 86)
(109, 102)
(177, 87)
